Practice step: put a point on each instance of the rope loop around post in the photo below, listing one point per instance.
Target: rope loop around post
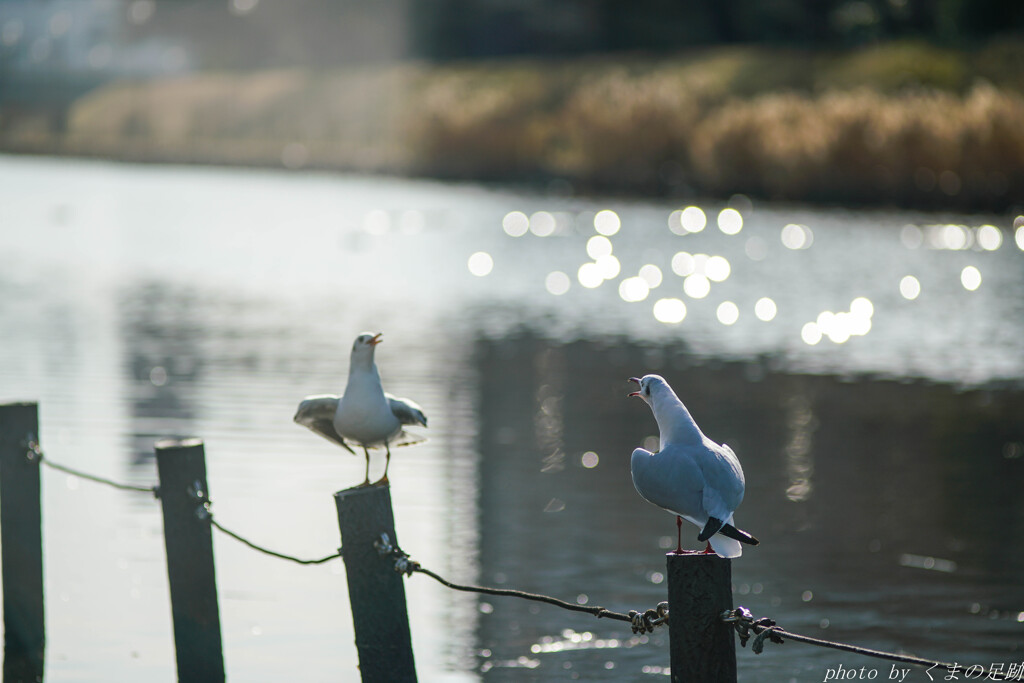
(33, 452)
(404, 564)
(743, 620)
(644, 622)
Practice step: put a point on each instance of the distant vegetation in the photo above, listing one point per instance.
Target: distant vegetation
(901, 123)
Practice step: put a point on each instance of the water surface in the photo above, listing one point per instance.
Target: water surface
(884, 462)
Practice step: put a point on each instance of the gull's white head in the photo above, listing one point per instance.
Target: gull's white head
(362, 347)
(651, 387)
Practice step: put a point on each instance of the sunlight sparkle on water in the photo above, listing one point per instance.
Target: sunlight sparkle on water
(989, 237)
(862, 307)
(797, 236)
(730, 221)
(557, 283)
(598, 246)
(954, 237)
(691, 219)
(728, 313)
(675, 222)
(696, 286)
(683, 264)
(911, 236)
(589, 460)
(543, 224)
(634, 289)
(810, 333)
(970, 278)
(1018, 236)
(910, 288)
(669, 311)
(589, 275)
(608, 266)
(607, 222)
(515, 224)
(480, 264)
(717, 268)
(765, 309)
(840, 326)
(651, 274)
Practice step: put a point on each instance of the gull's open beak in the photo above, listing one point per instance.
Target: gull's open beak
(376, 339)
(635, 393)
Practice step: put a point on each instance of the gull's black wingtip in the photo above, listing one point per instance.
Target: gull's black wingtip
(736, 534)
(710, 529)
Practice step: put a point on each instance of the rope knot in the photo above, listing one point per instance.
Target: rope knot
(743, 621)
(771, 631)
(646, 621)
(403, 563)
(33, 452)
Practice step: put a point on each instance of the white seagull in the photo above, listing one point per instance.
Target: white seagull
(365, 415)
(691, 476)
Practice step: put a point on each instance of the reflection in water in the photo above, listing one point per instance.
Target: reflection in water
(867, 495)
(164, 361)
(799, 462)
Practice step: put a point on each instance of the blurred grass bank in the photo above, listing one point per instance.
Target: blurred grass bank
(901, 123)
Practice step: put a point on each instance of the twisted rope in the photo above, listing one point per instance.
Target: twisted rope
(35, 453)
(273, 553)
(745, 624)
(640, 622)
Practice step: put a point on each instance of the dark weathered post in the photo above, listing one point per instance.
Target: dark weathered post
(702, 647)
(375, 590)
(21, 537)
(188, 538)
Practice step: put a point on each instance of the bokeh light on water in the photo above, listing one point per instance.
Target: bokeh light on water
(910, 287)
(730, 221)
(607, 222)
(970, 278)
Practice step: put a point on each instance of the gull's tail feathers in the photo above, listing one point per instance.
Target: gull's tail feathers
(726, 547)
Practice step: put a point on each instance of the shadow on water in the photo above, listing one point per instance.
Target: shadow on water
(889, 512)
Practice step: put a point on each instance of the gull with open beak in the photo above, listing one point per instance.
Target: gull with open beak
(365, 415)
(691, 476)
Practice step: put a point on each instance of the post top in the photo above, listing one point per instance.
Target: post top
(694, 554)
(189, 442)
(362, 489)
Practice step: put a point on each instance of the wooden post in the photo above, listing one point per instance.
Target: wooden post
(188, 537)
(702, 647)
(21, 537)
(375, 590)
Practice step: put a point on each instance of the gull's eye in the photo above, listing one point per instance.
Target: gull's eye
(647, 390)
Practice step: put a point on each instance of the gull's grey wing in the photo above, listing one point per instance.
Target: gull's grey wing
(316, 413)
(406, 410)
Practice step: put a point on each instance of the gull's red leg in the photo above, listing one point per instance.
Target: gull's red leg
(679, 535)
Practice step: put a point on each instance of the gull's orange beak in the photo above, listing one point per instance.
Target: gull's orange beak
(635, 393)
(376, 339)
